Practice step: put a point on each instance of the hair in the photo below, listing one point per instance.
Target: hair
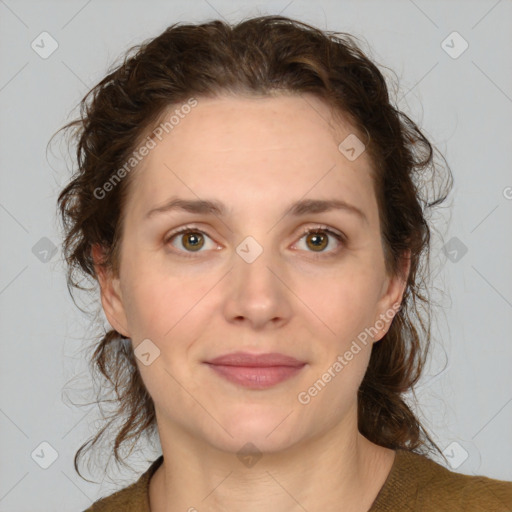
(262, 56)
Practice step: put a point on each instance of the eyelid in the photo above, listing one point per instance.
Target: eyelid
(183, 230)
(323, 227)
(340, 237)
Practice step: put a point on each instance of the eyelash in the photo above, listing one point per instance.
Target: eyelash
(340, 237)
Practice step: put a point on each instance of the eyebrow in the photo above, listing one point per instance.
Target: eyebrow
(210, 207)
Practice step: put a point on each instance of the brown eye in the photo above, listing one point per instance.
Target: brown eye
(318, 240)
(187, 240)
(193, 240)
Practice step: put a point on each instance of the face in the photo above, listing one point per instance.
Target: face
(254, 277)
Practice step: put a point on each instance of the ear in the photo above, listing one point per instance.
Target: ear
(388, 305)
(111, 296)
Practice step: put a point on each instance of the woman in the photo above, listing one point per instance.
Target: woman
(247, 199)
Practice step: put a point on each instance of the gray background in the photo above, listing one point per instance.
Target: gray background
(463, 104)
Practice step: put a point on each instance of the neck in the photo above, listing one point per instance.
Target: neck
(334, 472)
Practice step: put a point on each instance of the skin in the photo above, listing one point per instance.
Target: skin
(257, 156)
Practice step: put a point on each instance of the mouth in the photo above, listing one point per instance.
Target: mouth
(256, 371)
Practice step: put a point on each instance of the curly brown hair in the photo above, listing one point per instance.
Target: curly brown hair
(258, 56)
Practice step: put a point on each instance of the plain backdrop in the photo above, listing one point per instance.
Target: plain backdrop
(461, 99)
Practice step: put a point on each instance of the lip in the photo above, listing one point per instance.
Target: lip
(256, 360)
(256, 371)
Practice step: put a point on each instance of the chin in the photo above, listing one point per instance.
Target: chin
(268, 433)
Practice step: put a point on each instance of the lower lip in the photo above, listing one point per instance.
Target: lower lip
(256, 377)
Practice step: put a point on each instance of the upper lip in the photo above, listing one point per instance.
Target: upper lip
(256, 360)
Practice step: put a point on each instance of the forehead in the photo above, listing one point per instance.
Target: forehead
(238, 123)
(252, 151)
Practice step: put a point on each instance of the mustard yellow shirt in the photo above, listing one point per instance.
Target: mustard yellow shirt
(414, 483)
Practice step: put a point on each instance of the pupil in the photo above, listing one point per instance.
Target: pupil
(192, 241)
(316, 238)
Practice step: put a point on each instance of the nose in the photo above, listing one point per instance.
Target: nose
(258, 294)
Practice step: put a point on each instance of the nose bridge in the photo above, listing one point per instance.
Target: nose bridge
(253, 264)
(257, 292)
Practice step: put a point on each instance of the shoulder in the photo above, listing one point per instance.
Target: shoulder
(427, 485)
(133, 498)
(121, 500)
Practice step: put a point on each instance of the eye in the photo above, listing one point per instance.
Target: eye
(189, 238)
(317, 239)
(192, 240)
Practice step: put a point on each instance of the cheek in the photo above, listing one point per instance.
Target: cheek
(166, 309)
(150, 306)
(343, 303)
